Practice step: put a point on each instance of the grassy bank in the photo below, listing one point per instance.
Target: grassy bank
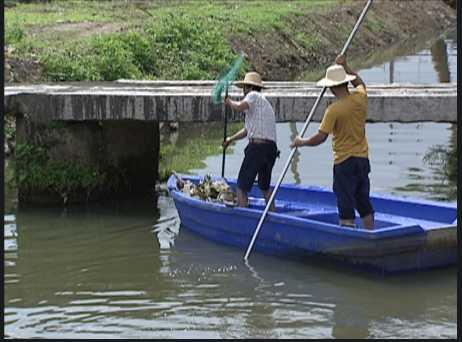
(106, 40)
(148, 40)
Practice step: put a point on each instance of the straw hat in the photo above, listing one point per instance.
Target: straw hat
(251, 78)
(335, 75)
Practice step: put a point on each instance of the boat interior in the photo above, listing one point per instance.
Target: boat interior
(319, 205)
(329, 214)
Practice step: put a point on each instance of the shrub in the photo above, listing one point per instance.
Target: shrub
(35, 172)
(178, 46)
(14, 33)
(102, 59)
(189, 47)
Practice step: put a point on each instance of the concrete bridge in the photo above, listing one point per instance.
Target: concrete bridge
(191, 101)
(115, 125)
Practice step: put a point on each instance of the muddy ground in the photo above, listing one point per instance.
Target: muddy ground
(277, 56)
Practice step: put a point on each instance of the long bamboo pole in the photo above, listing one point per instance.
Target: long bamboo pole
(225, 134)
(305, 126)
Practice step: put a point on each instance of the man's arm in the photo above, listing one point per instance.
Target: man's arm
(238, 136)
(314, 140)
(238, 106)
(341, 59)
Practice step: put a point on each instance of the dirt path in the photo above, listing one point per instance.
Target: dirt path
(80, 30)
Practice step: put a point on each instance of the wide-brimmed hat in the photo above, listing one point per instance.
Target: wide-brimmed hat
(251, 78)
(335, 75)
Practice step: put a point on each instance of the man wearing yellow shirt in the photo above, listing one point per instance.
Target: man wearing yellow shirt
(346, 120)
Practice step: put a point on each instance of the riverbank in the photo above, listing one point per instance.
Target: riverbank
(75, 40)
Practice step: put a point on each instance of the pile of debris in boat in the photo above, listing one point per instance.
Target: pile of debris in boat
(208, 190)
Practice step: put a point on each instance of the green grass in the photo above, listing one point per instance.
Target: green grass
(376, 24)
(40, 14)
(244, 16)
(172, 156)
(165, 40)
(25, 17)
(308, 41)
(9, 127)
(100, 58)
(233, 16)
(197, 145)
(175, 47)
(35, 172)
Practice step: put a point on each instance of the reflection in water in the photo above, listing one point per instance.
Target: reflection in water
(10, 246)
(442, 160)
(440, 60)
(261, 320)
(396, 153)
(406, 160)
(350, 322)
(392, 71)
(86, 272)
(434, 64)
(314, 300)
(11, 193)
(166, 230)
(191, 144)
(111, 280)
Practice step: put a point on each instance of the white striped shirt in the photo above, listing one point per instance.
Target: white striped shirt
(260, 121)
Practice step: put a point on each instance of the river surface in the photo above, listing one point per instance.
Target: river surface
(128, 269)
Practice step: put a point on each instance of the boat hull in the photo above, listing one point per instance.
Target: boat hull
(390, 248)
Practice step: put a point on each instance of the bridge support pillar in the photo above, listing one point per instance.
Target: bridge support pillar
(76, 161)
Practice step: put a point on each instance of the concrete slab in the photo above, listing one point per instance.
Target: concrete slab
(191, 101)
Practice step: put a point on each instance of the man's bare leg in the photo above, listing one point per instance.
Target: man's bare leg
(368, 221)
(347, 223)
(267, 195)
(242, 198)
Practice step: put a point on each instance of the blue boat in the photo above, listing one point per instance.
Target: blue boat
(409, 234)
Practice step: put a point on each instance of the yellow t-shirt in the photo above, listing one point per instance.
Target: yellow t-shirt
(346, 119)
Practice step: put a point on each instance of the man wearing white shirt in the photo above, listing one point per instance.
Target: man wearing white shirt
(260, 129)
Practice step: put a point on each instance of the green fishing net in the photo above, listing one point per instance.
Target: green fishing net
(226, 79)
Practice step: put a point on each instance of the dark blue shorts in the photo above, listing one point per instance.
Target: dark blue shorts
(258, 160)
(351, 186)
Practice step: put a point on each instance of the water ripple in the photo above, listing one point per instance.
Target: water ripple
(166, 230)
